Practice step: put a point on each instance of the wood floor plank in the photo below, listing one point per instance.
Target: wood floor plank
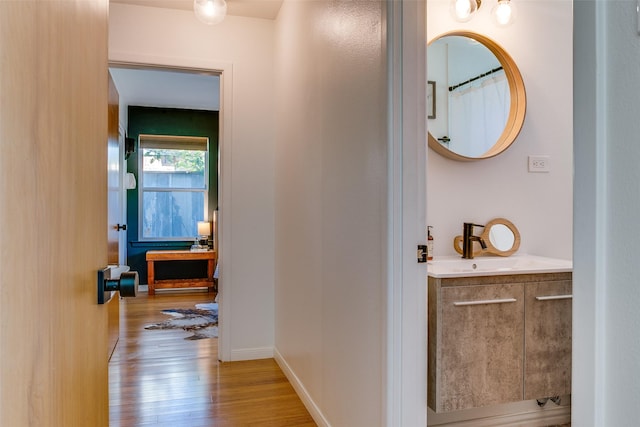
(156, 377)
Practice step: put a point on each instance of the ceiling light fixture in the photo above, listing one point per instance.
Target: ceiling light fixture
(210, 12)
(503, 13)
(462, 10)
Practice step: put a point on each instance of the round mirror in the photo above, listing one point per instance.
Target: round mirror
(476, 100)
(501, 237)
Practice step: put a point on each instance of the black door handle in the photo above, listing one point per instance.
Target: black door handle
(127, 284)
(121, 227)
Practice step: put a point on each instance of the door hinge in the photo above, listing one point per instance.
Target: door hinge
(422, 253)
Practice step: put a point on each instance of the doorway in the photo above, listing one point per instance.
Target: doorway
(190, 87)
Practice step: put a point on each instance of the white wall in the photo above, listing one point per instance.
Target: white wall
(607, 343)
(622, 45)
(622, 393)
(245, 46)
(331, 206)
(539, 204)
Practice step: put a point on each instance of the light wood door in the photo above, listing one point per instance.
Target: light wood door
(53, 212)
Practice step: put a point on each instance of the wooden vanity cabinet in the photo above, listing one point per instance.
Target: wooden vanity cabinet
(479, 335)
(493, 340)
(547, 367)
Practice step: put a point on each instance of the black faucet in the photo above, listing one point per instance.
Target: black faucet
(468, 238)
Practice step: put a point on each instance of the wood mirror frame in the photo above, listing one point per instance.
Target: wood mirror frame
(517, 92)
(491, 249)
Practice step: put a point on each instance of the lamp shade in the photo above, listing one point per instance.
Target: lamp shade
(204, 228)
(210, 12)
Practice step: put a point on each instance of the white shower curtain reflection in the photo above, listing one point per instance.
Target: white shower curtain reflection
(478, 113)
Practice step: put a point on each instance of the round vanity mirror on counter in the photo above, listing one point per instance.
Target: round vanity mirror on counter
(476, 100)
(501, 237)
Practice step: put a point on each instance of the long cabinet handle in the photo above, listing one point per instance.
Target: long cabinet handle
(554, 297)
(486, 301)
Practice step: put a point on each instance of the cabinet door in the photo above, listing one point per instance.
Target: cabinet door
(481, 353)
(547, 339)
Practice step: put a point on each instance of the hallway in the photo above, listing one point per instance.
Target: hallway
(158, 378)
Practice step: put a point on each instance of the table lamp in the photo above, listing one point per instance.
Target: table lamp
(204, 231)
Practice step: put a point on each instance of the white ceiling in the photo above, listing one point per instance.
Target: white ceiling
(167, 88)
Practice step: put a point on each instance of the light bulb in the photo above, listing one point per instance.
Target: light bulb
(210, 12)
(462, 10)
(503, 13)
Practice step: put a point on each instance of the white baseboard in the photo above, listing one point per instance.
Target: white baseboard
(307, 401)
(251, 353)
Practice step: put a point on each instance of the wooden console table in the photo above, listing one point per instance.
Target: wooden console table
(182, 255)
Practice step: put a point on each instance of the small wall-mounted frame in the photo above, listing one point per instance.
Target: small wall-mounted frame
(129, 147)
(431, 99)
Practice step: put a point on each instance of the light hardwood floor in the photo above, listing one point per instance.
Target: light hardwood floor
(158, 378)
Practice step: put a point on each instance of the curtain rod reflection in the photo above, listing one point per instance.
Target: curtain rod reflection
(495, 70)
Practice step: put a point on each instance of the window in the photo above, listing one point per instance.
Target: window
(174, 186)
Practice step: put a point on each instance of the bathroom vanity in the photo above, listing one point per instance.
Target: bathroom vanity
(499, 331)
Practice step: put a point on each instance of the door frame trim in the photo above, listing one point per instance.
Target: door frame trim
(122, 235)
(406, 376)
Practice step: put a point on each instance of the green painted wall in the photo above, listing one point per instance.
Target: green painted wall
(168, 121)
